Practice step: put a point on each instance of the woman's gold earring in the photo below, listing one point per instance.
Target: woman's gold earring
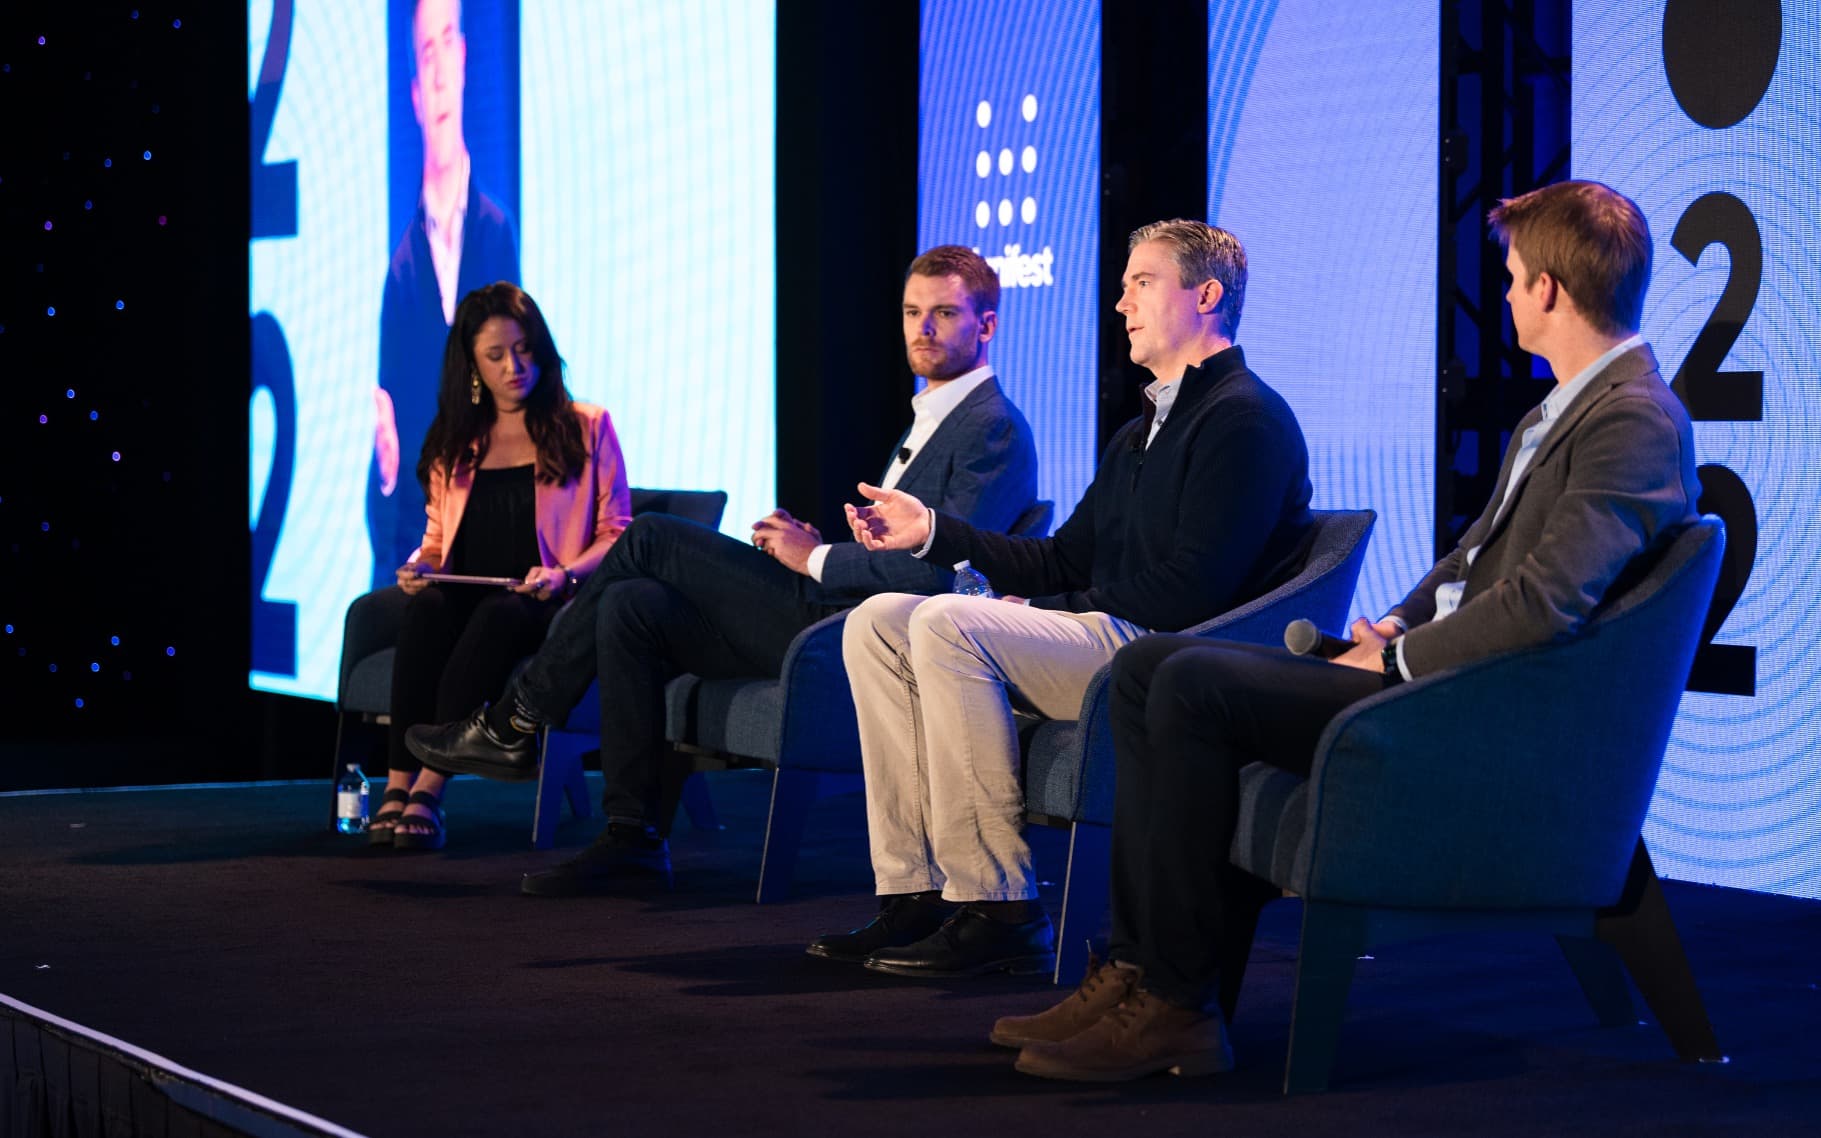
(474, 387)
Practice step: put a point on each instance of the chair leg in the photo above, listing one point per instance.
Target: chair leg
(792, 794)
(698, 804)
(575, 789)
(1084, 898)
(1333, 938)
(1247, 897)
(1641, 929)
(1602, 978)
(341, 725)
(678, 786)
(559, 768)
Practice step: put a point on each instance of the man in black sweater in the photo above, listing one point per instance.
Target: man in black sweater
(1199, 505)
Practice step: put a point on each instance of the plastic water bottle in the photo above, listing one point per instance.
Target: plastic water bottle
(971, 582)
(351, 801)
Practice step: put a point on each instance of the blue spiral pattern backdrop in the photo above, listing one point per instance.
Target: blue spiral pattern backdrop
(1322, 128)
(1739, 802)
(1008, 163)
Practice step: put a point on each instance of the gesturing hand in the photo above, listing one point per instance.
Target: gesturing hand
(893, 520)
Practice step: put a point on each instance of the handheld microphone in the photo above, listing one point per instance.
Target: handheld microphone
(904, 454)
(1302, 638)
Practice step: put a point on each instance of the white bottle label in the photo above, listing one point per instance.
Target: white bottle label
(347, 804)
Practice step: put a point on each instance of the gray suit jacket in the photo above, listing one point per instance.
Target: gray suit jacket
(981, 463)
(1610, 478)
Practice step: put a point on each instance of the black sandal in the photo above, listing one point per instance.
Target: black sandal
(438, 834)
(379, 830)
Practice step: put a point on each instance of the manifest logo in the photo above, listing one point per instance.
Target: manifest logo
(1016, 268)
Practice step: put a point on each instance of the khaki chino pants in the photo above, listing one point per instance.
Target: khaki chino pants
(936, 681)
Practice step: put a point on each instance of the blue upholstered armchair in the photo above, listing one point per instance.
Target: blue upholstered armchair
(1068, 764)
(369, 640)
(800, 726)
(1508, 793)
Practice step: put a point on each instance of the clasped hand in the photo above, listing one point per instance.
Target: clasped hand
(1369, 642)
(787, 539)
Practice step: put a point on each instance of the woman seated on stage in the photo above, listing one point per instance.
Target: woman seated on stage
(522, 483)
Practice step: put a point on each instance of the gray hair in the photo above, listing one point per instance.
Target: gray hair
(1203, 252)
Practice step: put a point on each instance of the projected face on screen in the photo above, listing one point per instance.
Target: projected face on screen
(436, 90)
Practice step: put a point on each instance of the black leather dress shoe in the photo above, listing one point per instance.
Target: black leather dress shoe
(970, 943)
(623, 859)
(470, 746)
(903, 919)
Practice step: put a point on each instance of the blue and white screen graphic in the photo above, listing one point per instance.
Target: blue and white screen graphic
(1008, 164)
(1323, 122)
(619, 163)
(1706, 113)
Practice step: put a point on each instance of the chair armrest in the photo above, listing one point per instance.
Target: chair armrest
(1094, 731)
(818, 704)
(1455, 791)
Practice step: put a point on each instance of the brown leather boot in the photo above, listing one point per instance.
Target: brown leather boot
(1101, 990)
(1140, 1037)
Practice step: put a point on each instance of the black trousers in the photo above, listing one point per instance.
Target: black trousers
(456, 648)
(1187, 714)
(670, 597)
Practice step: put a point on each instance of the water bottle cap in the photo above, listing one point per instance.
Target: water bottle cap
(960, 565)
(353, 766)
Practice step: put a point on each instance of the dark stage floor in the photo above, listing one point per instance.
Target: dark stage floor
(401, 994)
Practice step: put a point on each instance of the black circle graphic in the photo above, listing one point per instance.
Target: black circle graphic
(1720, 56)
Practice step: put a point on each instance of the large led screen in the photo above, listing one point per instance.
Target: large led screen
(1323, 127)
(618, 162)
(1009, 164)
(1706, 113)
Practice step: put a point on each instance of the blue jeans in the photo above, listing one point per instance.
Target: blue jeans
(670, 597)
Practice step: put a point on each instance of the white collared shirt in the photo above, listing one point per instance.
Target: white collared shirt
(446, 244)
(928, 408)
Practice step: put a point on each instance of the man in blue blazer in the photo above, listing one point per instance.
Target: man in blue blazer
(673, 597)
(1601, 472)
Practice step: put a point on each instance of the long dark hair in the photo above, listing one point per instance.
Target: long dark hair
(459, 432)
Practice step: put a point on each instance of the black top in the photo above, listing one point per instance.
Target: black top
(498, 533)
(1212, 514)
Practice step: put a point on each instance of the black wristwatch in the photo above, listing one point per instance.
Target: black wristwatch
(1388, 658)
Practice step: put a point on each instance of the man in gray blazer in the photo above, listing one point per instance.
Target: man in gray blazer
(673, 597)
(1604, 470)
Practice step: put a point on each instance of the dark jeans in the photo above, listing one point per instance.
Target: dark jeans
(670, 597)
(456, 647)
(1187, 713)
